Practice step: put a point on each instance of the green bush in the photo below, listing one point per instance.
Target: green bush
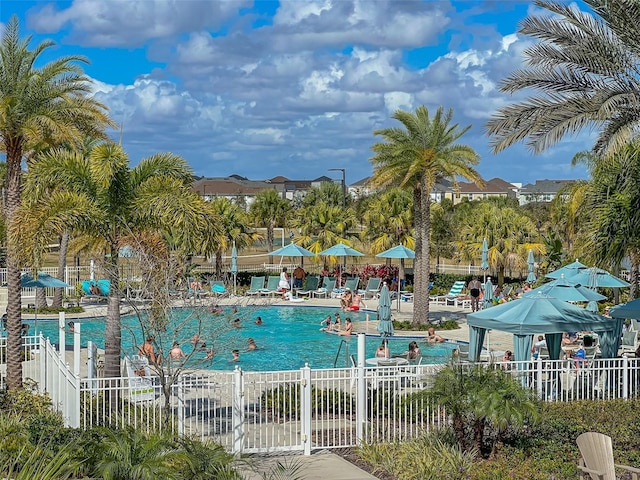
(428, 457)
(407, 325)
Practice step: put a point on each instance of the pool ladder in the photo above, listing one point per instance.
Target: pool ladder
(346, 353)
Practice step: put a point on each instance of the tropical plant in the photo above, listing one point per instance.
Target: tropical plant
(101, 197)
(328, 192)
(133, 455)
(480, 397)
(39, 105)
(321, 226)
(585, 70)
(235, 228)
(388, 221)
(611, 207)
(414, 157)
(269, 210)
(509, 234)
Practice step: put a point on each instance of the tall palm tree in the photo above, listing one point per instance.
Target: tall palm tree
(584, 69)
(389, 221)
(611, 208)
(415, 157)
(269, 210)
(45, 104)
(101, 197)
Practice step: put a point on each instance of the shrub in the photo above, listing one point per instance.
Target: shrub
(408, 325)
(426, 458)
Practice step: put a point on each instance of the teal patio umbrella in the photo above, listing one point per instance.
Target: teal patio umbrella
(536, 314)
(568, 270)
(341, 250)
(401, 252)
(292, 250)
(488, 294)
(385, 324)
(484, 264)
(567, 291)
(531, 277)
(234, 265)
(626, 310)
(42, 280)
(597, 278)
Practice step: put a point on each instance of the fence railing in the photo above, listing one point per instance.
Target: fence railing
(296, 410)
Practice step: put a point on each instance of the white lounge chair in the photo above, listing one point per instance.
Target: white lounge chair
(597, 458)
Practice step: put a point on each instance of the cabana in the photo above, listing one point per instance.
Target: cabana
(531, 315)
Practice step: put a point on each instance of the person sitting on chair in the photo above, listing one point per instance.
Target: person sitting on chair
(94, 289)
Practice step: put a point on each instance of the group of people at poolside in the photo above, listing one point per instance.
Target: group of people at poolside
(476, 292)
(351, 301)
(328, 325)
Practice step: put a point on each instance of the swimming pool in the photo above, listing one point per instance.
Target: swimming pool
(288, 338)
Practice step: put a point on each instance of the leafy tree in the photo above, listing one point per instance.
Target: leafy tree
(235, 228)
(269, 210)
(584, 69)
(38, 105)
(414, 157)
(102, 198)
(479, 398)
(510, 235)
(388, 221)
(328, 192)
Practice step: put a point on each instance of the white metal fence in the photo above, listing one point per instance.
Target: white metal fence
(296, 410)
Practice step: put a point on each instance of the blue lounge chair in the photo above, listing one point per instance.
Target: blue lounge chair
(372, 288)
(257, 284)
(310, 286)
(328, 284)
(272, 286)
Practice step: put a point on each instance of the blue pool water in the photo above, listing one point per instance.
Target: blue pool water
(288, 338)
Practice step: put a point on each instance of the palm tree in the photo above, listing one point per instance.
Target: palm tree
(388, 221)
(269, 210)
(101, 197)
(46, 104)
(234, 226)
(415, 157)
(328, 192)
(611, 209)
(585, 68)
(510, 235)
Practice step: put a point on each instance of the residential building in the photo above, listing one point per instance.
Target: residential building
(496, 187)
(542, 191)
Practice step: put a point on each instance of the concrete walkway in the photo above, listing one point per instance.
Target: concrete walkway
(322, 465)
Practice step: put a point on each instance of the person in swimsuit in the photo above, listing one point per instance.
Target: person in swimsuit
(347, 327)
(474, 292)
(433, 337)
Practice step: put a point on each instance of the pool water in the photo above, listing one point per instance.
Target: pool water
(288, 338)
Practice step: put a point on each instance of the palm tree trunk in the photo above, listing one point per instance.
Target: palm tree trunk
(41, 298)
(62, 263)
(14, 300)
(219, 264)
(270, 240)
(113, 333)
(420, 287)
(634, 256)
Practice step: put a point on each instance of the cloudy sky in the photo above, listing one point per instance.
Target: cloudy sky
(293, 87)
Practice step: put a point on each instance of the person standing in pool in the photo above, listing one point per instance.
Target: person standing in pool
(235, 355)
(258, 321)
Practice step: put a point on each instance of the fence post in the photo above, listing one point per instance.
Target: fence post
(305, 405)
(625, 377)
(361, 390)
(181, 407)
(43, 363)
(539, 377)
(237, 411)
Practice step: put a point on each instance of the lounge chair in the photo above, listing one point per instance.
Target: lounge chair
(328, 284)
(311, 285)
(257, 284)
(372, 288)
(351, 284)
(141, 388)
(217, 288)
(272, 286)
(451, 298)
(597, 458)
(103, 285)
(629, 342)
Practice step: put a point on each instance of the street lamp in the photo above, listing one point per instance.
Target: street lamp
(344, 184)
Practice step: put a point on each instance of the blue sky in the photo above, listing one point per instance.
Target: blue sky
(295, 87)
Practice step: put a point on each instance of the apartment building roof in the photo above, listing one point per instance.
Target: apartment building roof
(545, 186)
